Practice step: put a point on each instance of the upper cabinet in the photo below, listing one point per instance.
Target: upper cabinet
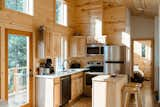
(78, 46)
(96, 40)
(53, 44)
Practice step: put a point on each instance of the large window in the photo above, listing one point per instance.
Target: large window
(61, 60)
(25, 6)
(61, 12)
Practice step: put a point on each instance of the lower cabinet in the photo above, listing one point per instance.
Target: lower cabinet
(48, 90)
(44, 92)
(57, 92)
(76, 85)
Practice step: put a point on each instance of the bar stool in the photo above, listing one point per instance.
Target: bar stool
(132, 88)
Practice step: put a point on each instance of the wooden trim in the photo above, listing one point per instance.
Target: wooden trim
(19, 33)
(0, 65)
(2, 4)
(6, 66)
(152, 44)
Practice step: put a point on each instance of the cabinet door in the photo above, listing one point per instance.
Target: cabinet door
(73, 89)
(57, 92)
(81, 47)
(78, 46)
(44, 89)
(81, 85)
(53, 44)
(77, 85)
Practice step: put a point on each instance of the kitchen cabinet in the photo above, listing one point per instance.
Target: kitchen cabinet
(44, 92)
(107, 91)
(53, 44)
(96, 40)
(56, 92)
(48, 89)
(47, 92)
(76, 85)
(78, 46)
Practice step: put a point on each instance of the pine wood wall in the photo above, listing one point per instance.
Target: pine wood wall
(44, 14)
(115, 19)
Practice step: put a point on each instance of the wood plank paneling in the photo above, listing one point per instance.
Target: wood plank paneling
(114, 23)
(44, 14)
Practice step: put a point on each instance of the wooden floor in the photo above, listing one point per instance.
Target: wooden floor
(86, 101)
(146, 94)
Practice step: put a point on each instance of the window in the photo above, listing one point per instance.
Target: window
(62, 58)
(143, 50)
(25, 6)
(61, 12)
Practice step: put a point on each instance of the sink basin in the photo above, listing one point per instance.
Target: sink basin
(69, 70)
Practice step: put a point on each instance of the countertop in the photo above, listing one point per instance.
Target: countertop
(105, 78)
(64, 73)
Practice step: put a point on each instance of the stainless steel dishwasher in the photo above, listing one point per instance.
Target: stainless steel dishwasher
(65, 90)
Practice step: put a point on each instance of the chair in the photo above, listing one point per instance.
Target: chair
(132, 88)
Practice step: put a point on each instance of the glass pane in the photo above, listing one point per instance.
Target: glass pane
(61, 12)
(143, 50)
(25, 6)
(18, 70)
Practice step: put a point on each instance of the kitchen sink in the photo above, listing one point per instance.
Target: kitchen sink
(70, 70)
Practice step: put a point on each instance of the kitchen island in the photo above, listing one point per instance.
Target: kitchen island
(107, 90)
(49, 87)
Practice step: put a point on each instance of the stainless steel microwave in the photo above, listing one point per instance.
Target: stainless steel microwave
(95, 49)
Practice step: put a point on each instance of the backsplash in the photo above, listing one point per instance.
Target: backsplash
(83, 60)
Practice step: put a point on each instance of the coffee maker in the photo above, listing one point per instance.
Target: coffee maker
(46, 67)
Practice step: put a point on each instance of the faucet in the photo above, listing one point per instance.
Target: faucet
(64, 63)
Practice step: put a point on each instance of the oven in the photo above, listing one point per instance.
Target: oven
(95, 69)
(94, 49)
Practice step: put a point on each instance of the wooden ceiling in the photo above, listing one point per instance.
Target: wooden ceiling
(138, 7)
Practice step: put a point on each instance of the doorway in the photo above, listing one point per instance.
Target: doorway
(142, 53)
(19, 68)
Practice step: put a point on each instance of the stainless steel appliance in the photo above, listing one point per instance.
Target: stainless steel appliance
(95, 69)
(116, 60)
(65, 90)
(94, 49)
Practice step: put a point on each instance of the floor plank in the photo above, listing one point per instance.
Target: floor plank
(87, 102)
(147, 98)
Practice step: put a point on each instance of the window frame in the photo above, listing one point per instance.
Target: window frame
(3, 7)
(59, 24)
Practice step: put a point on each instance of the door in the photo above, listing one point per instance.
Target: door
(143, 58)
(19, 68)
